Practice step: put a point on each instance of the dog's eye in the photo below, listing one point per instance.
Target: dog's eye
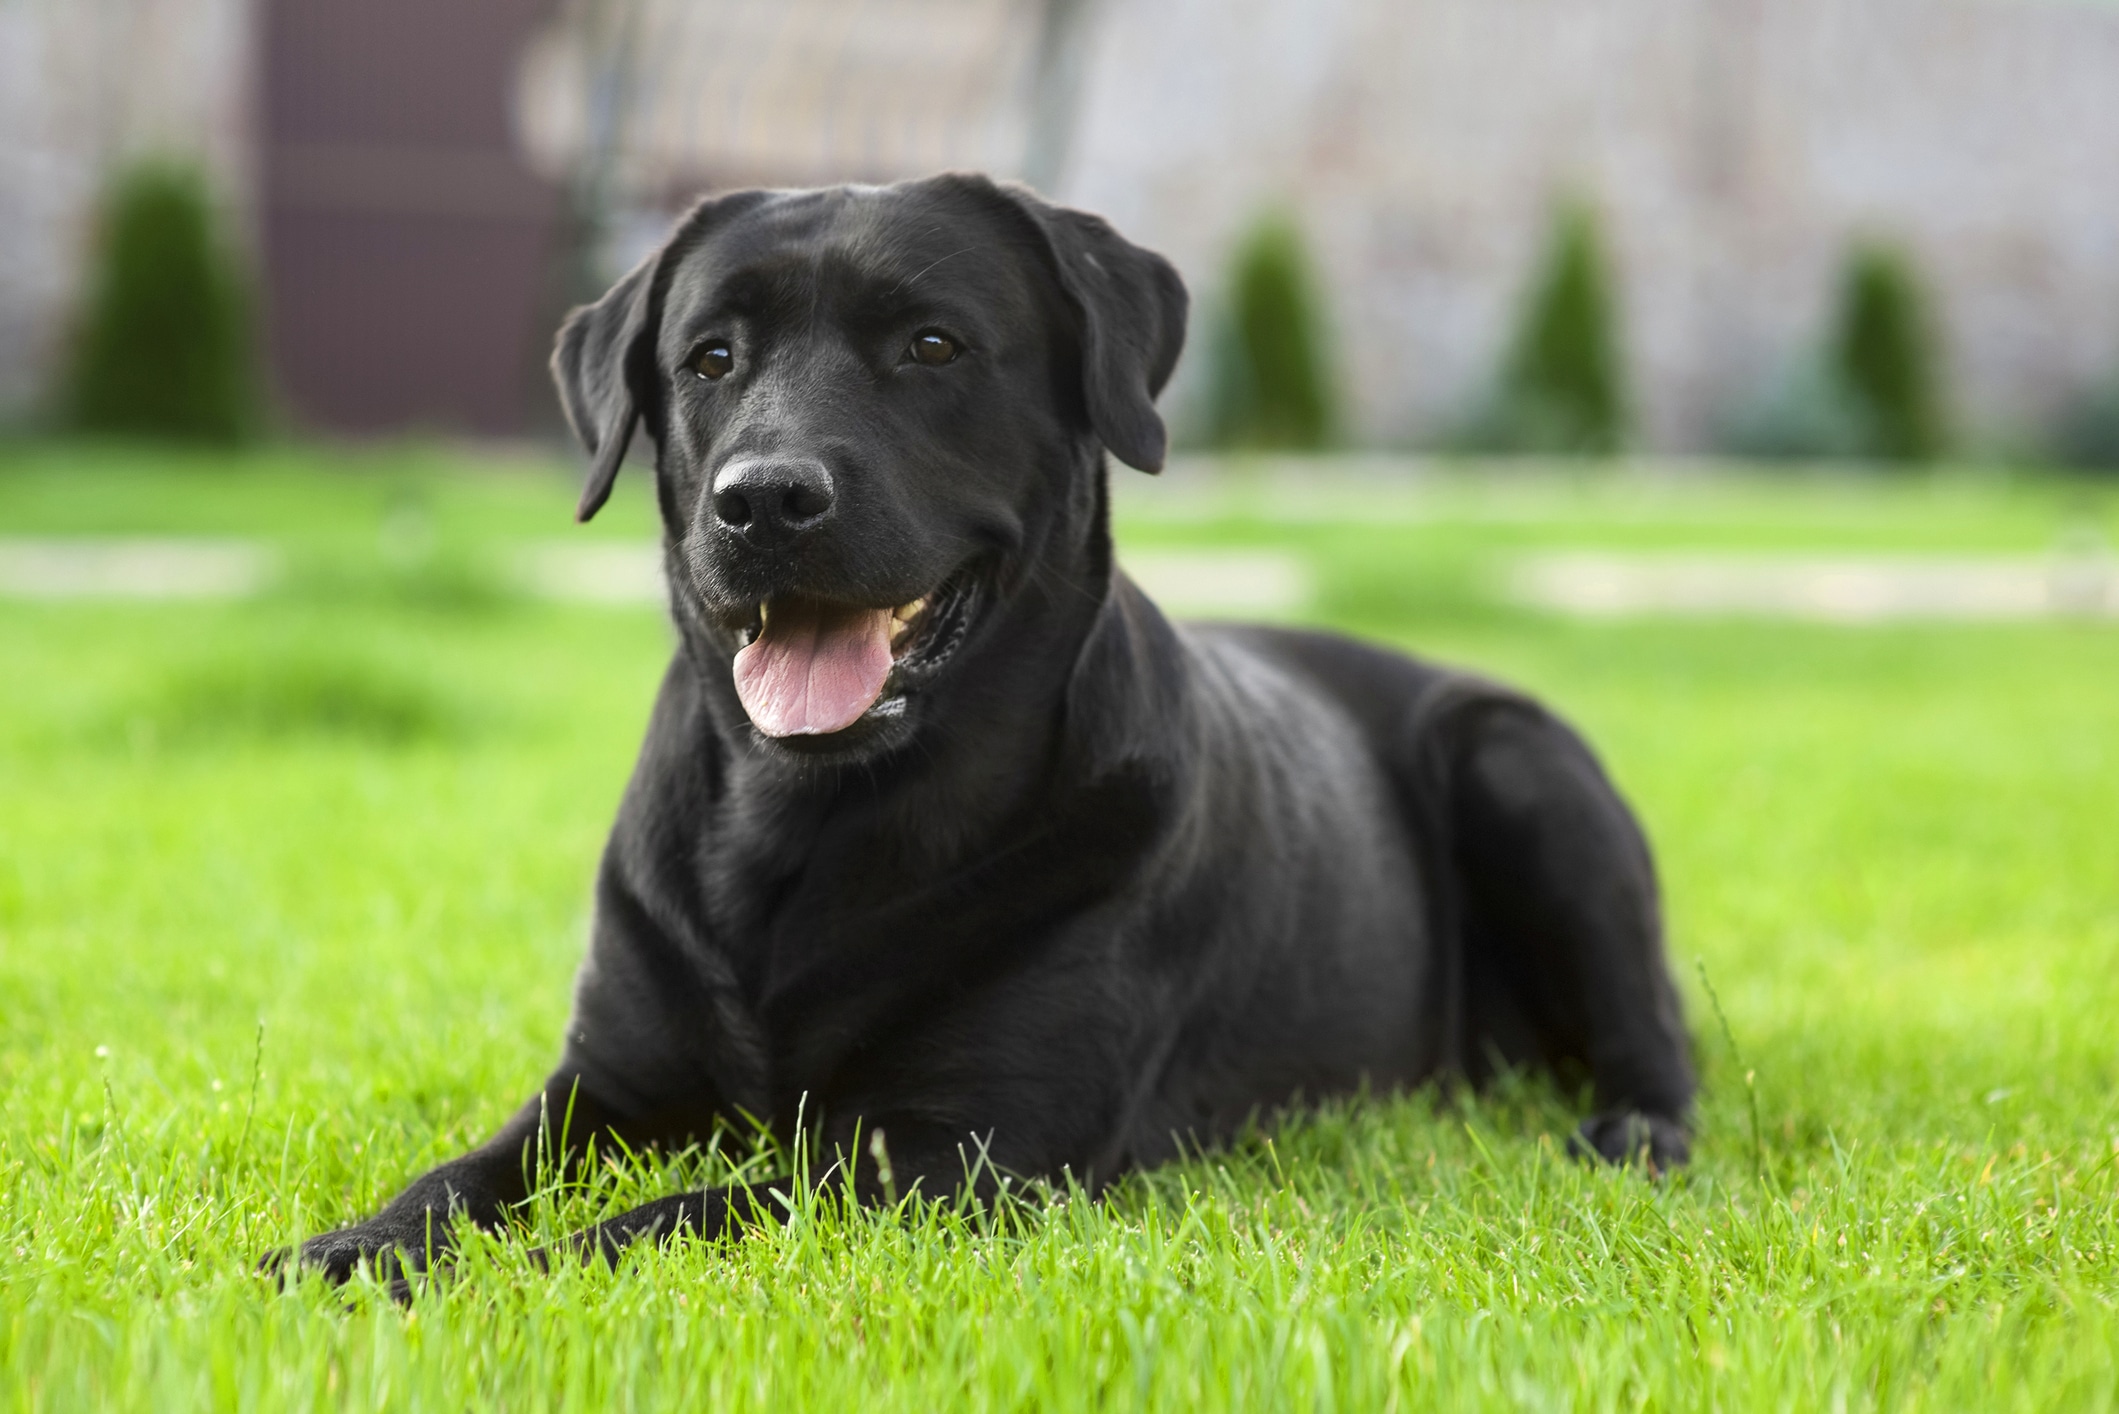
(713, 361)
(934, 347)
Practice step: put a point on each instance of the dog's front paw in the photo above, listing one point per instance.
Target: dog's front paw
(395, 1253)
(604, 1241)
(1656, 1142)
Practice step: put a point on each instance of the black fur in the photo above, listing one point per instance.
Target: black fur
(1105, 885)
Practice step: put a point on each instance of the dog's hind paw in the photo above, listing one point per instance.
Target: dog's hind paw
(1656, 1142)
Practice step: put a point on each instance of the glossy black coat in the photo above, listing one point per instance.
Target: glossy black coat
(1106, 885)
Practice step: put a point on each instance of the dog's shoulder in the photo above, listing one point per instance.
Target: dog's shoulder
(1377, 686)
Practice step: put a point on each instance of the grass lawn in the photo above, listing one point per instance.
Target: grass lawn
(291, 889)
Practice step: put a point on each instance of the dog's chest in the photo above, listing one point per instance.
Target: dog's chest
(851, 946)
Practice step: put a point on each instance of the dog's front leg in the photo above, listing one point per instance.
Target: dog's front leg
(413, 1231)
(935, 1168)
(708, 1213)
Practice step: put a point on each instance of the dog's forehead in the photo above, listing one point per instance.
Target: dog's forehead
(902, 242)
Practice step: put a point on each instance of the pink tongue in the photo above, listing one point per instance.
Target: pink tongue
(815, 669)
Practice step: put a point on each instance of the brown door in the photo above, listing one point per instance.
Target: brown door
(409, 252)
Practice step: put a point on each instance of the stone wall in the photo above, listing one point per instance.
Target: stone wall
(1734, 146)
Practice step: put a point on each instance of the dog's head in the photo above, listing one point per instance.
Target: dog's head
(871, 407)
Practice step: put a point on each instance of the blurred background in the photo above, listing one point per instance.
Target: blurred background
(1739, 376)
(1871, 229)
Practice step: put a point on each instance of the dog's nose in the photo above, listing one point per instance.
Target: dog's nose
(774, 500)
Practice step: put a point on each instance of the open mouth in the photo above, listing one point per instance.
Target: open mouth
(812, 667)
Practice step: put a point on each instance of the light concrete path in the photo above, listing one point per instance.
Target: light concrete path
(1844, 589)
(1209, 583)
(133, 568)
(618, 573)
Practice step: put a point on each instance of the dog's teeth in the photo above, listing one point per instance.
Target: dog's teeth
(762, 610)
(901, 618)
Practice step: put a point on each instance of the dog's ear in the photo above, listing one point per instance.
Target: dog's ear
(604, 360)
(596, 364)
(1133, 307)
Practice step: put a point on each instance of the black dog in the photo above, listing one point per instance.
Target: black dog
(943, 835)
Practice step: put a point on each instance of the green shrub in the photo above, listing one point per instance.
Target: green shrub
(165, 348)
(1271, 386)
(1804, 414)
(1562, 386)
(2089, 431)
(1883, 353)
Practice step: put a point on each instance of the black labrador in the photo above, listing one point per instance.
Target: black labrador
(943, 839)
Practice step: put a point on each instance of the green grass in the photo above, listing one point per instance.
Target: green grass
(290, 891)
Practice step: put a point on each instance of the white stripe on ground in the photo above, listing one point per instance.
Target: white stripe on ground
(610, 573)
(140, 568)
(1845, 589)
(1267, 584)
